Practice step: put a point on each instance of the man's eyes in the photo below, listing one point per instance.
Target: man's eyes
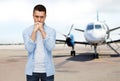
(39, 16)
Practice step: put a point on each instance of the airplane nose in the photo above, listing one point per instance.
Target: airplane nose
(99, 34)
(95, 36)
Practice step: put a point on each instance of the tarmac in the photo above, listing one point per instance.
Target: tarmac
(82, 67)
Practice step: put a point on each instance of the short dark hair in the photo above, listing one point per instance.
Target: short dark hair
(39, 7)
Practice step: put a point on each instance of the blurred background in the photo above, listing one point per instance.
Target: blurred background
(16, 15)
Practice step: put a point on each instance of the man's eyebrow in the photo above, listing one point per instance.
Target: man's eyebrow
(38, 16)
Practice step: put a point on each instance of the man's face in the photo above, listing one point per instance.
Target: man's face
(39, 16)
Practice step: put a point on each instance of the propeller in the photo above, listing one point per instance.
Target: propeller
(70, 29)
(66, 36)
(69, 32)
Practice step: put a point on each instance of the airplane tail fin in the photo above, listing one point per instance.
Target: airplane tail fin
(97, 15)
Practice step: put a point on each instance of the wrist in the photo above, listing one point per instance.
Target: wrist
(34, 30)
(42, 31)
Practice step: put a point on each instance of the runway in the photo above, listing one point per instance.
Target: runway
(82, 67)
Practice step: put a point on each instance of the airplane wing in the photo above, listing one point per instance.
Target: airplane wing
(79, 30)
(76, 42)
(113, 41)
(85, 43)
(114, 29)
(59, 40)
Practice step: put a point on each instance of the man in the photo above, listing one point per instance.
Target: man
(39, 40)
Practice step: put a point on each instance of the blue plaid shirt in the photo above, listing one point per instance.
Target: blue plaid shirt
(30, 46)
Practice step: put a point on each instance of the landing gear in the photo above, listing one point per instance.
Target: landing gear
(96, 54)
(73, 51)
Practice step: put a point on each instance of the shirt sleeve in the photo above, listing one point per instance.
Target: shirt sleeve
(28, 42)
(49, 41)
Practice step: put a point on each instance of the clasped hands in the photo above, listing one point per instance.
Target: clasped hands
(38, 27)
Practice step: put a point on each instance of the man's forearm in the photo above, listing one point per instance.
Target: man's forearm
(43, 33)
(33, 35)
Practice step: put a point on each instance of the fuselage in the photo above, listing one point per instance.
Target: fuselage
(96, 33)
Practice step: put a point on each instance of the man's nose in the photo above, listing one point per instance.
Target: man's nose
(39, 19)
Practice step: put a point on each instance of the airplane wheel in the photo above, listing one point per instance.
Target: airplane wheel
(96, 56)
(72, 53)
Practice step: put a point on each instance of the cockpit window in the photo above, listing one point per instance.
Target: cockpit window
(90, 27)
(98, 27)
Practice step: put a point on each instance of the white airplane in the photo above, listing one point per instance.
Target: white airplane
(96, 33)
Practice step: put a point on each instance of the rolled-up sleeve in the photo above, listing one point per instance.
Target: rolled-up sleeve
(29, 44)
